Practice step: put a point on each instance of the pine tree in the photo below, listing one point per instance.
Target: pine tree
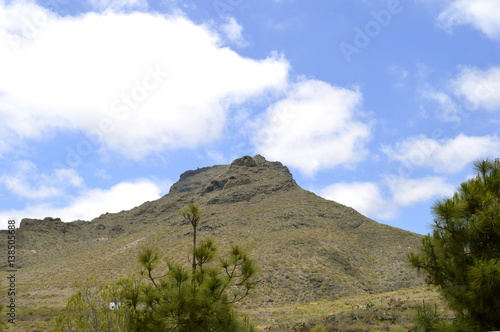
(181, 301)
(461, 256)
(176, 299)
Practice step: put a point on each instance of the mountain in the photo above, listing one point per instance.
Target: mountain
(307, 248)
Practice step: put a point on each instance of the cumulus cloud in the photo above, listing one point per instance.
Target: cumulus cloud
(91, 203)
(480, 88)
(408, 192)
(449, 110)
(316, 126)
(472, 89)
(364, 197)
(443, 156)
(368, 198)
(481, 14)
(135, 83)
(28, 182)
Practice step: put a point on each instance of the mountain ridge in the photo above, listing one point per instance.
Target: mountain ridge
(307, 248)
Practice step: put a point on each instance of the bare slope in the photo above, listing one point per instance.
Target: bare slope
(307, 248)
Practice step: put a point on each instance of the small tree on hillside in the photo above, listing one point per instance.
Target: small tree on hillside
(462, 254)
(193, 215)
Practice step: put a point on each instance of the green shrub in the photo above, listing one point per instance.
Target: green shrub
(318, 328)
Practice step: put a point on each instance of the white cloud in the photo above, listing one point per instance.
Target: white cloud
(364, 197)
(449, 109)
(480, 88)
(481, 14)
(315, 127)
(118, 4)
(407, 192)
(139, 83)
(28, 182)
(91, 203)
(470, 90)
(22, 20)
(443, 156)
(367, 197)
(233, 31)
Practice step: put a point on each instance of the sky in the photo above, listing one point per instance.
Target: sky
(381, 105)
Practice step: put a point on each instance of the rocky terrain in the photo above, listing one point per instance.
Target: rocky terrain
(308, 249)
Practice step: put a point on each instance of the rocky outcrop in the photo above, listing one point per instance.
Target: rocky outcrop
(50, 225)
(249, 179)
(246, 161)
(195, 180)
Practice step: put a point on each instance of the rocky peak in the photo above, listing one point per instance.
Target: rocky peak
(259, 159)
(249, 179)
(244, 161)
(254, 175)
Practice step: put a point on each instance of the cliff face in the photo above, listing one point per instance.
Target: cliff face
(307, 248)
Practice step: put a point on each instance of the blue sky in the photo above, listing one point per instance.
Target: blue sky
(379, 105)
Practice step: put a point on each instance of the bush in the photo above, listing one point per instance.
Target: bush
(89, 309)
(427, 318)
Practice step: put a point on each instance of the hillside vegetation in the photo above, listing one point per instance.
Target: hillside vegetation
(307, 249)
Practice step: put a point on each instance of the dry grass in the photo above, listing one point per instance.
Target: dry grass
(312, 253)
(391, 311)
(383, 312)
